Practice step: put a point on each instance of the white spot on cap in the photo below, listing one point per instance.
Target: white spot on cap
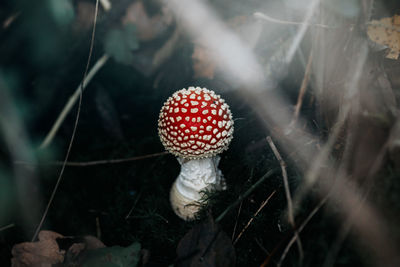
(205, 111)
(178, 118)
(215, 131)
(193, 128)
(214, 112)
(182, 125)
(209, 128)
(194, 110)
(213, 141)
(192, 96)
(194, 103)
(187, 118)
(184, 110)
(176, 110)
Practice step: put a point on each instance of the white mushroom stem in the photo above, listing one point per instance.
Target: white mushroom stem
(196, 176)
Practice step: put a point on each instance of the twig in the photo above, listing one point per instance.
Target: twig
(97, 162)
(98, 228)
(305, 222)
(261, 246)
(72, 100)
(302, 91)
(288, 194)
(80, 90)
(11, 225)
(263, 16)
(254, 216)
(248, 192)
(133, 206)
(236, 221)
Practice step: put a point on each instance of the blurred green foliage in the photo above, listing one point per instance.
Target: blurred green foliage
(121, 42)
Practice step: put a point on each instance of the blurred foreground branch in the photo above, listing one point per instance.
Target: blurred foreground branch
(72, 100)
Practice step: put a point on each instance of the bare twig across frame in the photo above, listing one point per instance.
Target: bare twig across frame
(288, 195)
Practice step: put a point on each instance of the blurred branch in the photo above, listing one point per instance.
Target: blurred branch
(106, 4)
(11, 225)
(259, 15)
(72, 100)
(288, 195)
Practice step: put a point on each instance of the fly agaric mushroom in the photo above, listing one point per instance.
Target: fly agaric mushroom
(195, 125)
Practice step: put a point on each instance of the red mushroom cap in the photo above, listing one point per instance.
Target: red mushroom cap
(195, 123)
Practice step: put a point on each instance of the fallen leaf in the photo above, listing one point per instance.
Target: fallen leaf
(43, 253)
(386, 32)
(205, 245)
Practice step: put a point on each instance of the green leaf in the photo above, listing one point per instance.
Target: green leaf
(119, 43)
(113, 256)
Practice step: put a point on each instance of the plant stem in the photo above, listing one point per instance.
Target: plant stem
(72, 100)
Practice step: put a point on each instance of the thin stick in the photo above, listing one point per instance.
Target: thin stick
(248, 192)
(237, 218)
(263, 16)
(98, 162)
(72, 100)
(288, 194)
(254, 216)
(304, 85)
(74, 130)
(98, 228)
(305, 222)
(133, 206)
(11, 225)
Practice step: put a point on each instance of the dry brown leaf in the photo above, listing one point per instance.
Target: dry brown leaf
(386, 31)
(43, 253)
